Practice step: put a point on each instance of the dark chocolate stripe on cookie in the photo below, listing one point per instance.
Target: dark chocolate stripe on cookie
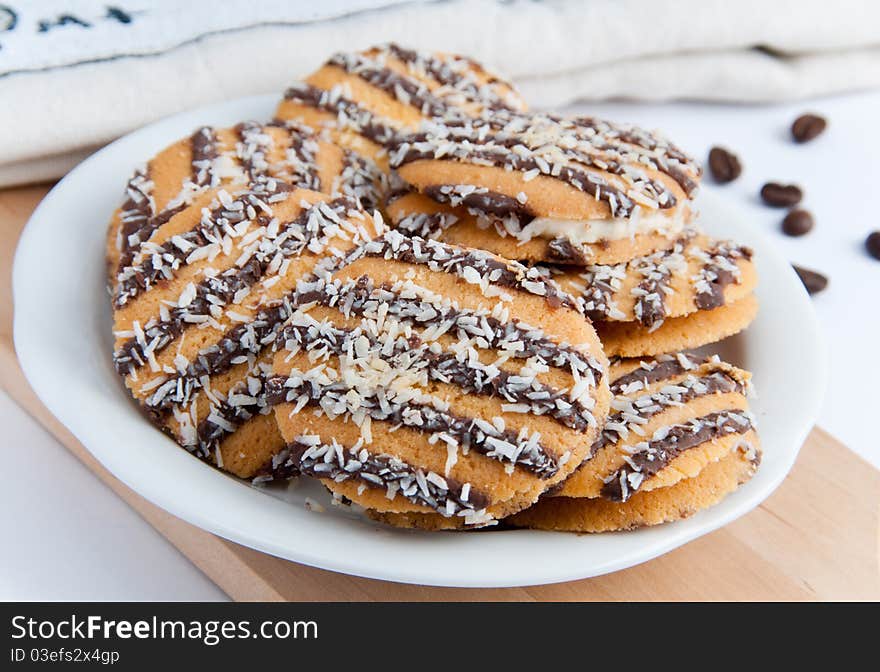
(349, 115)
(203, 146)
(223, 288)
(361, 180)
(650, 305)
(425, 224)
(444, 495)
(718, 271)
(301, 163)
(648, 372)
(480, 199)
(138, 207)
(144, 232)
(253, 145)
(226, 416)
(464, 432)
(652, 456)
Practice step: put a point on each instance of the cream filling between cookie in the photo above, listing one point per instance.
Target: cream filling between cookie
(589, 231)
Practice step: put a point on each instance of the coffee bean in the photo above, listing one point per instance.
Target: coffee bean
(813, 280)
(872, 244)
(781, 195)
(807, 126)
(797, 222)
(725, 165)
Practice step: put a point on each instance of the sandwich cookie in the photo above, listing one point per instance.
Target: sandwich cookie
(365, 99)
(544, 188)
(437, 382)
(672, 418)
(198, 306)
(234, 157)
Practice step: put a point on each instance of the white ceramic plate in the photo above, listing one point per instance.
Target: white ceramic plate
(63, 340)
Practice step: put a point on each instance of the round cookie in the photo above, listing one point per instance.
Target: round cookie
(570, 186)
(632, 339)
(712, 484)
(198, 306)
(670, 416)
(420, 377)
(365, 99)
(234, 157)
(697, 273)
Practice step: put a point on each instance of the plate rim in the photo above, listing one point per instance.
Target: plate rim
(672, 537)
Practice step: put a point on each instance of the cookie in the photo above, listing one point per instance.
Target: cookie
(425, 378)
(643, 509)
(670, 416)
(247, 153)
(572, 187)
(632, 339)
(697, 273)
(365, 99)
(198, 306)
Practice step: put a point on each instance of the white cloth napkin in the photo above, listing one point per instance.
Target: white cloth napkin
(75, 74)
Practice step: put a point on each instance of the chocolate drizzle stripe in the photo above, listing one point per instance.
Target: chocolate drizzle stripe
(444, 495)
(425, 224)
(464, 432)
(418, 358)
(650, 301)
(719, 270)
(298, 235)
(225, 418)
(252, 148)
(663, 367)
(652, 456)
(203, 146)
(348, 113)
(489, 203)
(302, 167)
(361, 180)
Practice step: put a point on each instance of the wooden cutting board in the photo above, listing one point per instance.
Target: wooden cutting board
(816, 538)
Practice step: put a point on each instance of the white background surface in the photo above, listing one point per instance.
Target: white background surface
(102, 550)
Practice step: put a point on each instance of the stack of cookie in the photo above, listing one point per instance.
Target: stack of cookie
(450, 372)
